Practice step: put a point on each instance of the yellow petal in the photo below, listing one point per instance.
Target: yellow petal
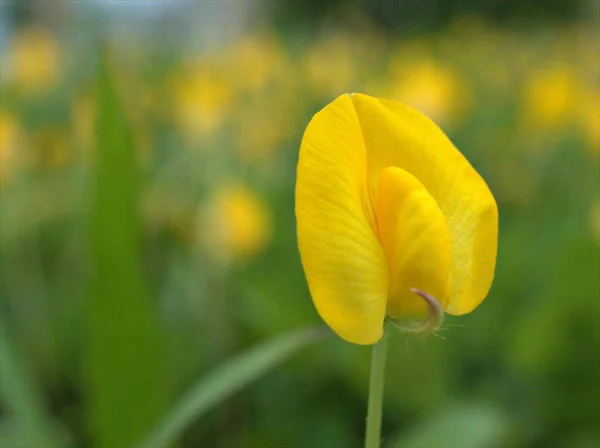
(416, 241)
(397, 135)
(343, 260)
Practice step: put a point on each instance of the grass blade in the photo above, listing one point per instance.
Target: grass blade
(226, 380)
(125, 356)
(22, 399)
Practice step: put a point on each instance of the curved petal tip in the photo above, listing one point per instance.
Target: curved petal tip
(435, 318)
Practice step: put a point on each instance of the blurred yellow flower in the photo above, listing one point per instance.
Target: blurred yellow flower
(202, 97)
(329, 65)
(34, 60)
(550, 97)
(10, 146)
(236, 224)
(254, 59)
(588, 114)
(262, 130)
(260, 139)
(386, 203)
(51, 146)
(137, 103)
(82, 123)
(427, 86)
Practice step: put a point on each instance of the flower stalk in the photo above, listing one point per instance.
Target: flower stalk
(376, 386)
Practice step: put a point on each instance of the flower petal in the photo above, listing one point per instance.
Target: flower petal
(416, 241)
(397, 135)
(343, 260)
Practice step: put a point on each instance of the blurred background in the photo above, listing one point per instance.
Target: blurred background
(108, 316)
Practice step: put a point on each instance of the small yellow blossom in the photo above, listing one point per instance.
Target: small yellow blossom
(330, 65)
(137, 102)
(202, 97)
(430, 88)
(260, 141)
(51, 146)
(262, 131)
(34, 60)
(385, 203)
(254, 60)
(236, 224)
(10, 146)
(588, 115)
(550, 97)
(82, 123)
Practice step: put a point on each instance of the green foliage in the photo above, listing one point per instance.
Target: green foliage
(27, 421)
(124, 351)
(413, 16)
(226, 380)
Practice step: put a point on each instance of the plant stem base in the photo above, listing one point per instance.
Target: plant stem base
(376, 386)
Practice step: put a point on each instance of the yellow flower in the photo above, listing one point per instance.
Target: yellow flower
(386, 203)
(10, 146)
(236, 225)
(588, 114)
(51, 146)
(430, 88)
(262, 129)
(82, 122)
(254, 59)
(202, 98)
(330, 64)
(34, 60)
(259, 140)
(550, 97)
(138, 105)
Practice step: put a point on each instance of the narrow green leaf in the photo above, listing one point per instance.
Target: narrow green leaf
(125, 358)
(23, 401)
(226, 380)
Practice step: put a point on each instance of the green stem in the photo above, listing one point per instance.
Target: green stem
(376, 385)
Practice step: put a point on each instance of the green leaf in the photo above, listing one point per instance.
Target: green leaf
(125, 361)
(30, 424)
(226, 380)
